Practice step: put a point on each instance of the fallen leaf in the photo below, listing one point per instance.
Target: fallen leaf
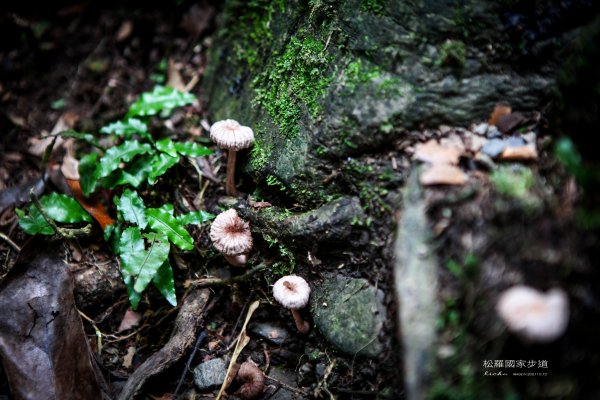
(38, 146)
(499, 111)
(453, 141)
(92, 205)
(131, 319)
(19, 195)
(70, 167)
(128, 357)
(441, 174)
(43, 346)
(522, 153)
(242, 340)
(508, 123)
(432, 152)
(124, 31)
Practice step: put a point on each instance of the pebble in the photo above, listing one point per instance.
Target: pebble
(481, 129)
(270, 332)
(494, 147)
(493, 132)
(210, 374)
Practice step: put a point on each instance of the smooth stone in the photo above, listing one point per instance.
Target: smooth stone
(210, 374)
(481, 129)
(494, 147)
(349, 313)
(270, 332)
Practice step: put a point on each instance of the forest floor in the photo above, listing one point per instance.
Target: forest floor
(509, 222)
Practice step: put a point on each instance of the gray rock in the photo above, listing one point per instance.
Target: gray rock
(210, 374)
(494, 147)
(270, 332)
(481, 129)
(289, 378)
(493, 132)
(349, 314)
(515, 141)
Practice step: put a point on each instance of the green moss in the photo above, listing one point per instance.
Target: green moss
(252, 31)
(452, 53)
(357, 72)
(512, 182)
(260, 154)
(372, 6)
(293, 83)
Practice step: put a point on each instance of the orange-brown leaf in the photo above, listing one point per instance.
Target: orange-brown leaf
(499, 111)
(93, 206)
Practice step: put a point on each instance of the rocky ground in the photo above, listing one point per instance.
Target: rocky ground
(408, 215)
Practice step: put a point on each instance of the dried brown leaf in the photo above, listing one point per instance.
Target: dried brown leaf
(131, 319)
(520, 153)
(499, 111)
(432, 152)
(440, 174)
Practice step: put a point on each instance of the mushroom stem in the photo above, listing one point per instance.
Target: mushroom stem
(230, 185)
(302, 325)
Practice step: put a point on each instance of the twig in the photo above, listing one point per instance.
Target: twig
(199, 341)
(10, 242)
(286, 386)
(99, 334)
(204, 282)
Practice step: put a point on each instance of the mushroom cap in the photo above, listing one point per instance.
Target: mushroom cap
(533, 315)
(230, 234)
(293, 297)
(229, 134)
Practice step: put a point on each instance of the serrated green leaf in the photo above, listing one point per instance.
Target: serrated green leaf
(194, 218)
(162, 99)
(192, 149)
(132, 207)
(140, 262)
(161, 164)
(32, 222)
(163, 280)
(168, 207)
(161, 221)
(167, 146)
(127, 128)
(63, 208)
(110, 161)
(87, 169)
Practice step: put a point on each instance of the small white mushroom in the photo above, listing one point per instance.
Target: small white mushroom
(533, 315)
(229, 134)
(231, 236)
(293, 293)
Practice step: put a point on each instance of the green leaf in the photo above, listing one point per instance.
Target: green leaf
(192, 149)
(162, 98)
(87, 169)
(128, 128)
(163, 280)
(168, 207)
(110, 161)
(134, 297)
(32, 222)
(137, 172)
(194, 218)
(138, 262)
(63, 208)
(167, 146)
(161, 221)
(160, 164)
(132, 207)
(86, 137)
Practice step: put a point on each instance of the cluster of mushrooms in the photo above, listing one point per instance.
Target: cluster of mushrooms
(231, 236)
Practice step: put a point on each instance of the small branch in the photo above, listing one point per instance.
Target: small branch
(286, 386)
(204, 282)
(10, 242)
